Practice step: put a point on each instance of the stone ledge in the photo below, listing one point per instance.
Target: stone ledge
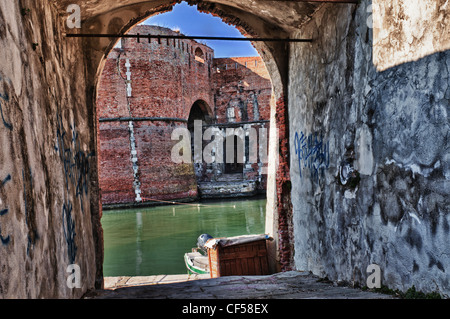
(285, 285)
(128, 281)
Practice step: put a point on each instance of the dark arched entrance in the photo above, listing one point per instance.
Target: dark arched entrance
(251, 24)
(200, 111)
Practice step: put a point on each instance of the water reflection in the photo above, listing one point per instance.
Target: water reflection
(151, 241)
(138, 242)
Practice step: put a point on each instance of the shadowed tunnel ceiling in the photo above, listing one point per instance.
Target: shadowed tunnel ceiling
(285, 15)
(254, 18)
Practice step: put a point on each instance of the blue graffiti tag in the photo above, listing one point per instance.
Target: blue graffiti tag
(75, 161)
(69, 231)
(312, 153)
(7, 125)
(76, 167)
(4, 211)
(4, 240)
(30, 214)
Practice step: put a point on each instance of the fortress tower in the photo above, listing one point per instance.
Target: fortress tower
(149, 88)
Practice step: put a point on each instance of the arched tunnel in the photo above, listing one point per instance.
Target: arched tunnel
(358, 155)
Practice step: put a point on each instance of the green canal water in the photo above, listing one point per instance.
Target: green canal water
(152, 241)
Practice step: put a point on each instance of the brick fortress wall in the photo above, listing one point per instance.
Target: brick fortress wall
(147, 90)
(242, 94)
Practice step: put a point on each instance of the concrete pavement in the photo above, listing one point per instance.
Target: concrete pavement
(286, 285)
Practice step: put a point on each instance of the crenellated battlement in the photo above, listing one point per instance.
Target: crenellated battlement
(149, 87)
(186, 50)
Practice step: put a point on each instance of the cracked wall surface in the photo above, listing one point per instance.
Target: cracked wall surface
(367, 159)
(49, 212)
(408, 30)
(369, 156)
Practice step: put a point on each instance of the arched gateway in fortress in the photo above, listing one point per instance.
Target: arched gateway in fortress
(150, 88)
(357, 174)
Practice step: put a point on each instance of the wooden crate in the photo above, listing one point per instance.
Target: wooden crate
(242, 259)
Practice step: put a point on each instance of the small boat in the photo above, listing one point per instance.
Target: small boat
(196, 263)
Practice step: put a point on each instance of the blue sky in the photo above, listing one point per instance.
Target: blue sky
(191, 22)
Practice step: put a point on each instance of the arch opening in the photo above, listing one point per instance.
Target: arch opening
(200, 109)
(199, 56)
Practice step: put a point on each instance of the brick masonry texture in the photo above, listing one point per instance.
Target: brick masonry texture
(285, 231)
(152, 86)
(241, 83)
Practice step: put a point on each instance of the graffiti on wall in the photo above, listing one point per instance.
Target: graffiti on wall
(30, 212)
(69, 231)
(75, 160)
(4, 239)
(8, 125)
(312, 154)
(27, 177)
(76, 176)
(3, 211)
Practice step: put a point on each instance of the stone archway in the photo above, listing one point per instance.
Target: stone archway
(200, 110)
(50, 210)
(275, 56)
(47, 97)
(199, 56)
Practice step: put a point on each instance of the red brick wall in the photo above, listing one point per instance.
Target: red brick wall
(166, 79)
(241, 81)
(283, 181)
(243, 84)
(111, 95)
(116, 177)
(160, 178)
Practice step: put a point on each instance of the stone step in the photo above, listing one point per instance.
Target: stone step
(226, 188)
(230, 177)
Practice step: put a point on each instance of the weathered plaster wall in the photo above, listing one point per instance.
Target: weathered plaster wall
(407, 30)
(48, 205)
(386, 124)
(391, 128)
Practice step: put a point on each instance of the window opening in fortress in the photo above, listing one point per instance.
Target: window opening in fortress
(155, 208)
(199, 55)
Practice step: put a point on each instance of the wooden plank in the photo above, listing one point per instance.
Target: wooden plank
(237, 255)
(265, 265)
(239, 266)
(244, 264)
(214, 263)
(228, 268)
(251, 266)
(224, 268)
(257, 263)
(233, 267)
(244, 259)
